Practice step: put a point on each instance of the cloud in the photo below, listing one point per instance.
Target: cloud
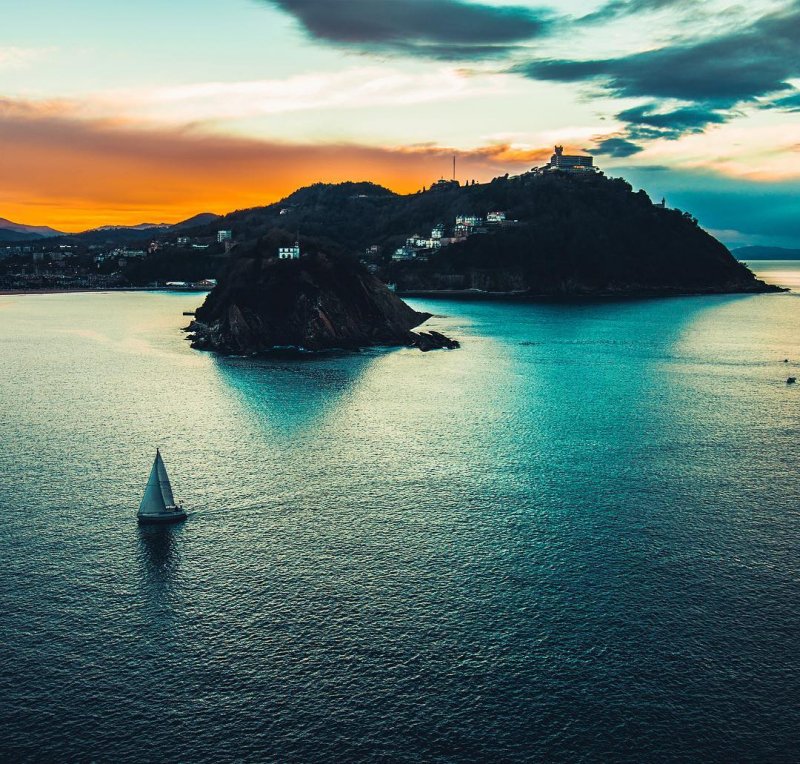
(618, 8)
(649, 122)
(76, 173)
(616, 147)
(721, 71)
(790, 102)
(364, 87)
(704, 80)
(444, 29)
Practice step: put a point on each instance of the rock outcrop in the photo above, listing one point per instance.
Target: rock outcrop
(426, 341)
(315, 303)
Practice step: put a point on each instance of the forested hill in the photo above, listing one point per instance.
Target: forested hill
(585, 234)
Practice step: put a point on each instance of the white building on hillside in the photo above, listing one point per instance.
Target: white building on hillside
(572, 163)
(420, 242)
(289, 253)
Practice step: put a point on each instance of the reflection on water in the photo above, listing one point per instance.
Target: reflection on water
(565, 541)
(291, 394)
(159, 561)
(158, 550)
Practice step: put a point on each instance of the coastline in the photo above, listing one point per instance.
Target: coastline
(77, 290)
(477, 294)
(454, 294)
(25, 292)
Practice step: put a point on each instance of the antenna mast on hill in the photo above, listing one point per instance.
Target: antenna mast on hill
(454, 166)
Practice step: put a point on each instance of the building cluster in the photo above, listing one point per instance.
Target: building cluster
(38, 252)
(569, 163)
(37, 270)
(420, 247)
(223, 236)
(122, 255)
(44, 264)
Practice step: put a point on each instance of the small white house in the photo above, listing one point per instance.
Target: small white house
(224, 236)
(289, 253)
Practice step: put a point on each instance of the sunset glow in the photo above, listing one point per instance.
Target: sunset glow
(259, 97)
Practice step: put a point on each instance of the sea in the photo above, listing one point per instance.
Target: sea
(575, 539)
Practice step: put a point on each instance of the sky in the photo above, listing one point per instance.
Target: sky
(123, 113)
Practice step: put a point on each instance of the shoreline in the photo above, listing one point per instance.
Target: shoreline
(453, 294)
(476, 294)
(102, 290)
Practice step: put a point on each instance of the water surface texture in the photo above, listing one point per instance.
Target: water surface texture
(575, 539)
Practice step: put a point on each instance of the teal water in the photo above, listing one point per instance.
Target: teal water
(575, 539)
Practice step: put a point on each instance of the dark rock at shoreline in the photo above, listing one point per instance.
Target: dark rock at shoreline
(426, 341)
(315, 303)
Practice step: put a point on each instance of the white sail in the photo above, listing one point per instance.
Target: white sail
(153, 499)
(163, 479)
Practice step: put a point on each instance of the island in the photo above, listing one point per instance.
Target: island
(317, 302)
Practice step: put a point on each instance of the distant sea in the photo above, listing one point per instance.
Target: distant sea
(576, 539)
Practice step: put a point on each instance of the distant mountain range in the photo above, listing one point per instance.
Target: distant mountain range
(139, 227)
(765, 253)
(11, 231)
(203, 218)
(17, 232)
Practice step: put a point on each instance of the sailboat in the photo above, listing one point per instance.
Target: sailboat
(158, 504)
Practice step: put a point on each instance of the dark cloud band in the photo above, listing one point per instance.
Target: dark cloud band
(616, 147)
(723, 70)
(711, 76)
(434, 28)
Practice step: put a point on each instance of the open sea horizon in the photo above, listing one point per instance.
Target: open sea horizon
(575, 539)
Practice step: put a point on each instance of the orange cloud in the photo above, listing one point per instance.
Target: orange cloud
(57, 169)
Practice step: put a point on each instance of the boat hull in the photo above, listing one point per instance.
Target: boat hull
(165, 519)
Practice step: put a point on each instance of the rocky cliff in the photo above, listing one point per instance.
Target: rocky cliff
(313, 303)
